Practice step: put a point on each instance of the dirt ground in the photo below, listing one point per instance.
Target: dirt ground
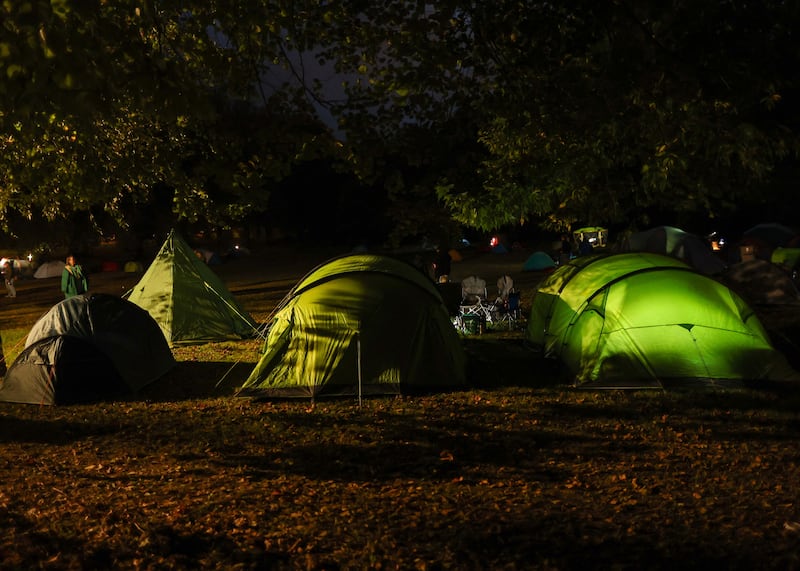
(513, 474)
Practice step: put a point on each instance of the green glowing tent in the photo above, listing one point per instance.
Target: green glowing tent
(648, 320)
(188, 300)
(359, 324)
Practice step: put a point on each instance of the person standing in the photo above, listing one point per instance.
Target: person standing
(8, 275)
(442, 266)
(73, 280)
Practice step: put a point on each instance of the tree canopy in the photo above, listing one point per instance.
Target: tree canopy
(493, 113)
(103, 101)
(602, 111)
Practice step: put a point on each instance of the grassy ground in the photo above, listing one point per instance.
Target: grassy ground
(521, 472)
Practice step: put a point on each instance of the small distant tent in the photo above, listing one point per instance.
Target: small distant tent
(787, 258)
(685, 246)
(538, 261)
(87, 348)
(772, 234)
(766, 237)
(359, 324)
(50, 269)
(133, 267)
(595, 235)
(209, 257)
(188, 300)
(642, 320)
(455, 255)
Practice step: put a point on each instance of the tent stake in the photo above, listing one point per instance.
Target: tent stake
(358, 347)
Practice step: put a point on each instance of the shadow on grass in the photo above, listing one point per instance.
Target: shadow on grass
(56, 431)
(496, 361)
(467, 443)
(190, 380)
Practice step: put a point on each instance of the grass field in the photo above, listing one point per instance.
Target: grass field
(520, 472)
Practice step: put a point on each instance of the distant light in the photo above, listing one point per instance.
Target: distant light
(30, 257)
(494, 241)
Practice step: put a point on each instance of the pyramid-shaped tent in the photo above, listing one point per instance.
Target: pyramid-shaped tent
(187, 299)
(649, 320)
(360, 324)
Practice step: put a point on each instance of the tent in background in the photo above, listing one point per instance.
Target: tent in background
(359, 324)
(671, 241)
(209, 257)
(595, 235)
(87, 348)
(187, 299)
(787, 258)
(764, 238)
(51, 269)
(133, 267)
(647, 320)
(538, 261)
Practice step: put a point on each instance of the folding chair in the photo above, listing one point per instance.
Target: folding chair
(474, 306)
(505, 286)
(509, 311)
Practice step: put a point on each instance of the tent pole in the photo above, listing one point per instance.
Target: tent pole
(358, 347)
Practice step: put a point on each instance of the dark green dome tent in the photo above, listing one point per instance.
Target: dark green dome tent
(648, 320)
(188, 300)
(87, 348)
(671, 241)
(359, 324)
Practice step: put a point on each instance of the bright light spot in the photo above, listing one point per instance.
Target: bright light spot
(494, 241)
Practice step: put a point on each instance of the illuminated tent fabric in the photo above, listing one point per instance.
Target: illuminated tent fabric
(597, 236)
(359, 324)
(648, 320)
(788, 258)
(685, 246)
(87, 348)
(188, 300)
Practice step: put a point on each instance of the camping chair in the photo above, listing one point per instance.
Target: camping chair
(474, 306)
(509, 311)
(505, 286)
(501, 310)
